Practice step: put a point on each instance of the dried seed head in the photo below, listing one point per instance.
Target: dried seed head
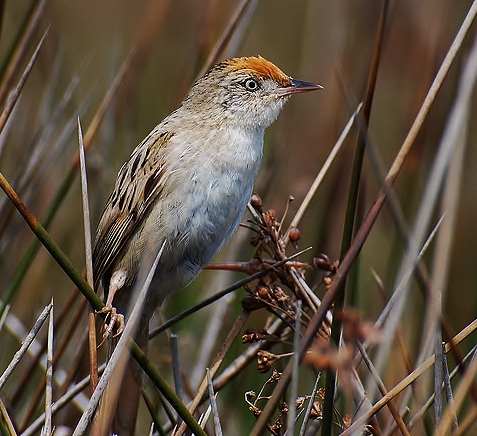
(249, 336)
(262, 291)
(300, 401)
(252, 335)
(250, 395)
(265, 360)
(255, 410)
(317, 410)
(322, 261)
(347, 420)
(294, 235)
(268, 218)
(280, 295)
(256, 202)
(250, 304)
(276, 426)
(276, 375)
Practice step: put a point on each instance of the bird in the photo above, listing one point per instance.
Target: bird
(185, 188)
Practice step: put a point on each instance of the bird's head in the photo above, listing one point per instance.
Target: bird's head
(246, 91)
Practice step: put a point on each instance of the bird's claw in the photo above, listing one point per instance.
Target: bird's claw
(116, 319)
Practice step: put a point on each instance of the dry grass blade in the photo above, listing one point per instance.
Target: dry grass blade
(212, 335)
(309, 407)
(21, 83)
(89, 259)
(155, 425)
(28, 373)
(213, 404)
(26, 343)
(431, 95)
(204, 417)
(29, 176)
(351, 214)
(438, 376)
(389, 333)
(459, 398)
(422, 275)
(47, 429)
(86, 214)
(166, 390)
(4, 315)
(103, 107)
(6, 420)
(176, 366)
(44, 151)
(296, 364)
(220, 315)
(21, 48)
(448, 388)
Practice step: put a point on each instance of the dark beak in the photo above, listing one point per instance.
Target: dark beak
(297, 87)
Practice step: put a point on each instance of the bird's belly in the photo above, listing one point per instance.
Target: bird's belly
(194, 226)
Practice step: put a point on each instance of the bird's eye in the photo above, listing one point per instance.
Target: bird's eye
(251, 85)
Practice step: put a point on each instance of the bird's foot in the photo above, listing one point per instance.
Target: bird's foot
(115, 320)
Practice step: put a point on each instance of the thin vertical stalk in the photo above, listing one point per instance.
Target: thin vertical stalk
(349, 224)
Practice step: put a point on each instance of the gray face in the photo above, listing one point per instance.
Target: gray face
(245, 100)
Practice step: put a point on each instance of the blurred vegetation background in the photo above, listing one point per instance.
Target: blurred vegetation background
(330, 43)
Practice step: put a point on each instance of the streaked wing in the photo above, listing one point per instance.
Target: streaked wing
(139, 182)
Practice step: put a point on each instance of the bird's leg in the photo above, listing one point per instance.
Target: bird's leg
(108, 327)
(117, 281)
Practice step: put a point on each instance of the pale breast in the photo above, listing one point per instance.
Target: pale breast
(201, 208)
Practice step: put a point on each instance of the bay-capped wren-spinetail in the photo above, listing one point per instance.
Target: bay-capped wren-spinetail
(188, 183)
